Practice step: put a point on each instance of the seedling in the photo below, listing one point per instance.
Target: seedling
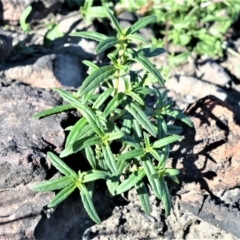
(23, 19)
(117, 116)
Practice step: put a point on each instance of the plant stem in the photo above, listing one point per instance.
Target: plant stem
(116, 82)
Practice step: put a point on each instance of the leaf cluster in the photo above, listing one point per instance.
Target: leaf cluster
(119, 134)
(198, 25)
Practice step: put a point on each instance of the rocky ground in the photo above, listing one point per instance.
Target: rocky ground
(206, 203)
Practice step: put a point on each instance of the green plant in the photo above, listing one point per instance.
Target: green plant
(90, 12)
(119, 134)
(198, 25)
(53, 32)
(23, 19)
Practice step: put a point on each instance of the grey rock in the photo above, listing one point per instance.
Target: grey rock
(68, 70)
(191, 86)
(83, 50)
(72, 20)
(231, 196)
(20, 211)
(223, 217)
(131, 223)
(208, 70)
(70, 220)
(203, 174)
(232, 62)
(80, 47)
(126, 19)
(12, 9)
(24, 142)
(54, 70)
(5, 44)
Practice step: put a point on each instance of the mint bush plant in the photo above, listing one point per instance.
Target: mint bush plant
(119, 134)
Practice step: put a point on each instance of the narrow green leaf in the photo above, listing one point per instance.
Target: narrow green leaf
(165, 141)
(165, 196)
(143, 90)
(130, 154)
(149, 67)
(101, 163)
(126, 126)
(86, 131)
(85, 142)
(143, 197)
(159, 104)
(162, 127)
(128, 183)
(137, 130)
(114, 135)
(155, 154)
(127, 139)
(92, 119)
(114, 21)
(136, 97)
(68, 128)
(83, 189)
(106, 44)
(91, 65)
(174, 178)
(96, 78)
(171, 172)
(109, 158)
(121, 165)
(87, 97)
(151, 52)
(141, 117)
(137, 37)
(141, 23)
(23, 19)
(91, 35)
(164, 156)
(179, 115)
(154, 182)
(114, 103)
(146, 140)
(60, 165)
(53, 110)
(67, 96)
(94, 175)
(90, 156)
(90, 187)
(52, 184)
(92, 141)
(62, 195)
(165, 99)
(102, 98)
(75, 132)
(173, 129)
(76, 147)
(112, 185)
(89, 207)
